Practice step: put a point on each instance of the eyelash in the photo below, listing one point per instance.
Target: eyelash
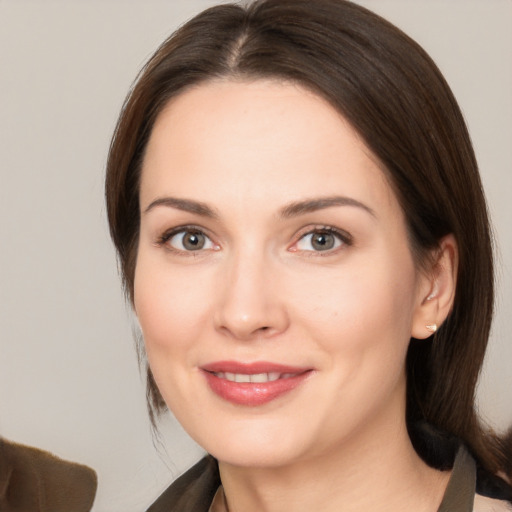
(343, 237)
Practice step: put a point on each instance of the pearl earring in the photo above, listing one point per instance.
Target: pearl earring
(431, 327)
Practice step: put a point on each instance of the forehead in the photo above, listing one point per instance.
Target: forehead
(259, 139)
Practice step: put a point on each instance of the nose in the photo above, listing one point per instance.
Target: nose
(250, 304)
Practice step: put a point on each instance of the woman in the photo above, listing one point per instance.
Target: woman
(303, 235)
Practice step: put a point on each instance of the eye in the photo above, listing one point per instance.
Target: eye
(188, 240)
(322, 240)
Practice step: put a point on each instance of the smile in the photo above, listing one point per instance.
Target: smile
(252, 384)
(256, 377)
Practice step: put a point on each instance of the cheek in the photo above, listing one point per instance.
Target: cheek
(375, 298)
(362, 316)
(170, 307)
(169, 304)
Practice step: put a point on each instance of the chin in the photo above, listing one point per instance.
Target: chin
(263, 447)
(254, 456)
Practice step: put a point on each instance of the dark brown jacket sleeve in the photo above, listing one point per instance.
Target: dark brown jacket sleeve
(32, 480)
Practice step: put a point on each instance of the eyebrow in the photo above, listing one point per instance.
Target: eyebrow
(312, 205)
(294, 209)
(186, 205)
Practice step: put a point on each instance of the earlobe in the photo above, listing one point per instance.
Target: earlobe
(437, 290)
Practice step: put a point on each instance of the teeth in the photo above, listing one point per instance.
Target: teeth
(260, 377)
(256, 377)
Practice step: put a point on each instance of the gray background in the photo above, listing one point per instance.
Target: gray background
(69, 381)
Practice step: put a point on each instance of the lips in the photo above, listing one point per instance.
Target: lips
(252, 384)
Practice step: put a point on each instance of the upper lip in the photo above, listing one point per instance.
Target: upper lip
(252, 368)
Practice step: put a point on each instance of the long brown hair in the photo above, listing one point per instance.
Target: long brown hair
(393, 94)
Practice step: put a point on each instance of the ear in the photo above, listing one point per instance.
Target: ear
(436, 290)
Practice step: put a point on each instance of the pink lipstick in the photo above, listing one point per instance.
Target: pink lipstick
(252, 384)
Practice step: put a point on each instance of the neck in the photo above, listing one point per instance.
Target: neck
(368, 472)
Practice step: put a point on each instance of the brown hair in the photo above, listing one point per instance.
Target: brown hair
(392, 93)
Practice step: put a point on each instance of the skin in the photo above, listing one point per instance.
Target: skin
(259, 290)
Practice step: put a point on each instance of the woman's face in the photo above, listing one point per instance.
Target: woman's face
(274, 284)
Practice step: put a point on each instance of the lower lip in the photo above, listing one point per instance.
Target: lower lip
(253, 393)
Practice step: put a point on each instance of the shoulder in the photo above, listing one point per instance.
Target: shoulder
(484, 504)
(36, 476)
